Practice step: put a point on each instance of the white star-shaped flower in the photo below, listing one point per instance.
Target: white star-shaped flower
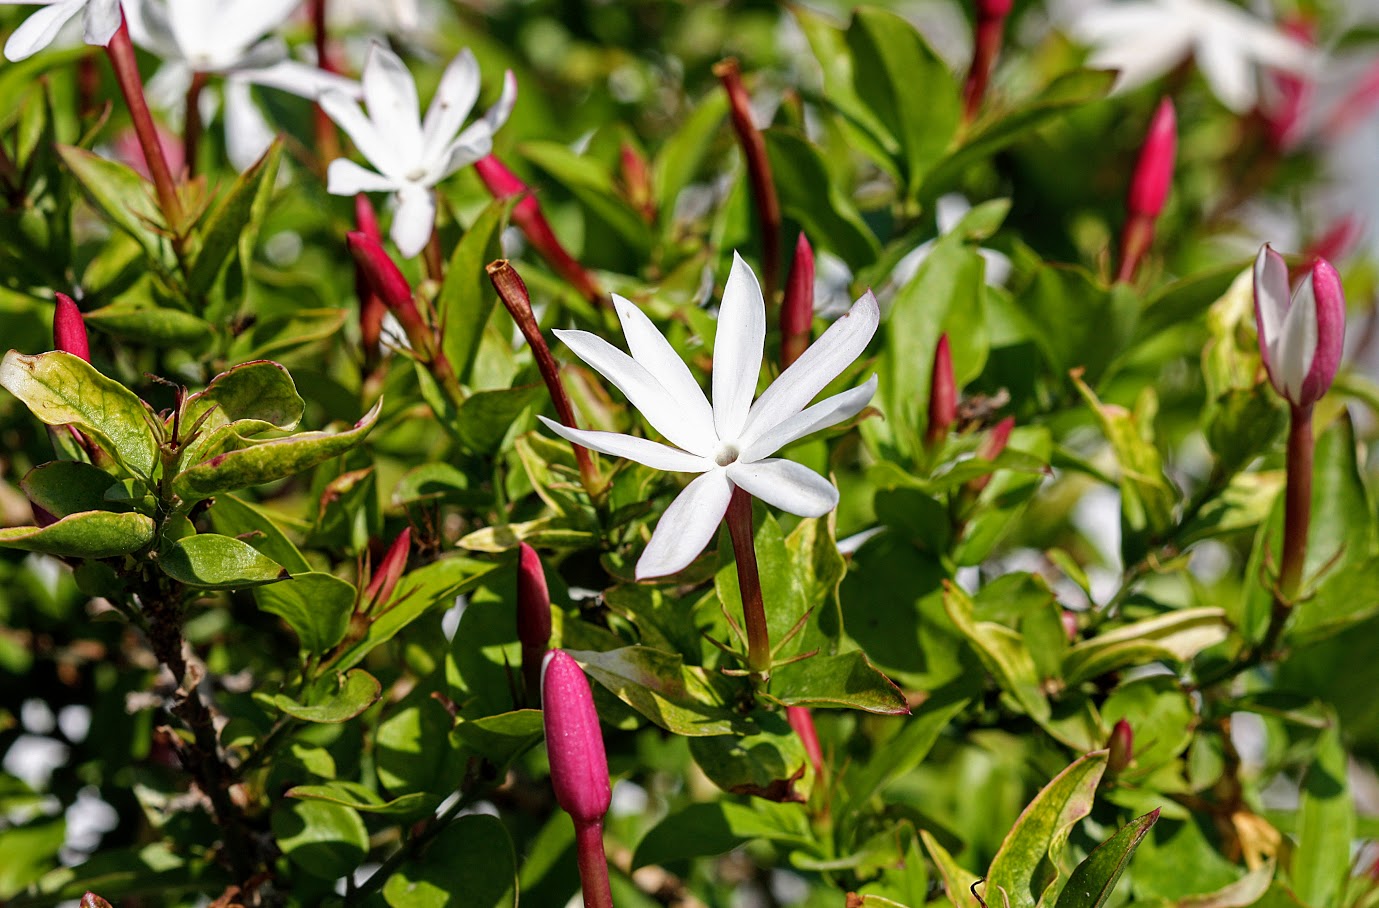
(101, 20)
(730, 442)
(1143, 39)
(411, 155)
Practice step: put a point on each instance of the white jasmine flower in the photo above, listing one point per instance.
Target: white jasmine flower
(728, 443)
(228, 38)
(1145, 38)
(101, 19)
(412, 155)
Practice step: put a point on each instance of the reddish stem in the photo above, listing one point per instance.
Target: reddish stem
(191, 135)
(593, 865)
(327, 139)
(758, 173)
(126, 67)
(1135, 241)
(986, 47)
(1297, 502)
(739, 519)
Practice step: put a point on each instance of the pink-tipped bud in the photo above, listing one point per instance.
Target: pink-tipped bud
(389, 570)
(1154, 170)
(371, 305)
(69, 330)
(533, 616)
(991, 447)
(386, 280)
(1301, 335)
(91, 900)
(986, 46)
(1121, 746)
(636, 177)
(574, 741)
(526, 214)
(802, 721)
(797, 309)
(943, 394)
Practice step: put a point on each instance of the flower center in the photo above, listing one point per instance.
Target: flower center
(416, 175)
(726, 454)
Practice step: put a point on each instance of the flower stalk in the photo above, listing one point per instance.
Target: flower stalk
(1149, 187)
(739, 520)
(763, 188)
(1297, 502)
(802, 721)
(986, 47)
(126, 67)
(512, 290)
(371, 305)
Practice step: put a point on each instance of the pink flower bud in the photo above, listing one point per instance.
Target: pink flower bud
(387, 281)
(371, 306)
(574, 742)
(1300, 336)
(636, 177)
(943, 394)
(991, 447)
(1121, 746)
(69, 330)
(389, 570)
(1336, 241)
(993, 9)
(1070, 625)
(797, 309)
(91, 900)
(802, 721)
(1154, 169)
(533, 615)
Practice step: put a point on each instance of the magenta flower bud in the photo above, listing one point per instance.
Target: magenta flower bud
(69, 330)
(1154, 169)
(797, 309)
(533, 616)
(991, 447)
(943, 394)
(1300, 336)
(371, 305)
(636, 177)
(389, 570)
(1285, 109)
(387, 281)
(574, 741)
(802, 721)
(91, 900)
(1121, 746)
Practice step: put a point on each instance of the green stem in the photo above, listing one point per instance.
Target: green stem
(739, 519)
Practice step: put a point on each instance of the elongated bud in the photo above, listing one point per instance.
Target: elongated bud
(986, 47)
(802, 721)
(574, 741)
(991, 447)
(1121, 746)
(533, 616)
(526, 214)
(69, 330)
(91, 900)
(636, 177)
(1070, 626)
(389, 570)
(1154, 169)
(1301, 335)
(764, 197)
(386, 280)
(943, 394)
(371, 305)
(797, 310)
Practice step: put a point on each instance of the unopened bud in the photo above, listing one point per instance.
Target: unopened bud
(1154, 170)
(1301, 335)
(943, 394)
(797, 309)
(389, 570)
(991, 447)
(69, 329)
(574, 741)
(91, 900)
(371, 305)
(386, 280)
(1288, 97)
(1336, 241)
(1121, 746)
(802, 721)
(636, 177)
(1070, 627)
(533, 616)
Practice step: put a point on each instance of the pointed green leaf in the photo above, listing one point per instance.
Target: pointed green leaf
(486, 416)
(157, 326)
(334, 700)
(899, 754)
(807, 195)
(221, 231)
(719, 826)
(466, 298)
(769, 764)
(260, 390)
(66, 487)
(86, 534)
(317, 606)
(957, 880)
(62, 389)
(232, 516)
(1321, 862)
(1176, 636)
(1002, 651)
(1094, 879)
(358, 797)
(209, 561)
(124, 197)
(684, 699)
(326, 840)
(500, 738)
(471, 863)
(847, 680)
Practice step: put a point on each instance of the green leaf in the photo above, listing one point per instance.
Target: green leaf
(323, 839)
(1094, 879)
(261, 391)
(265, 461)
(233, 516)
(334, 700)
(1320, 865)
(1027, 863)
(62, 389)
(719, 826)
(1002, 651)
(317, 606)
(65, 487)
(848, 680)
(683, 699)
(466, 298)
(1162, 716)
(358, 797)
(485, 417)
(807, 195)
(208, 561)
(469, 865)
(125, 198)
(899, 754)
(157, 326)
(769, 764)
(1075, 320)
(221, 232)
(957, 880)
(682, 153)
(30, 849)
(1176, 636)
(500, 738)
(86, 534)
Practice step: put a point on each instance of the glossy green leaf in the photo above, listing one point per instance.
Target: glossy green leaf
(360, 798)
(1027, 863)
(85, 534)
(210, 561)
(899, 754)
(500, 738)
(157, 326)
(807, 195)
(124, 197)
(591, 183)
(220, 234)
(769, 764)
(847, 680)
(1321, 862)
(467, 298)
(334, 700)
(719, 826)
(233, 516)
(683, 699)
(66, 487)
(1094, 879)
(261, 391)
(469, 865)
(485, 417)
(317, 606)
(62, 389)
(324, 839)
(1176, 636)
(680, 156)
(957, 881)
(1003, 651)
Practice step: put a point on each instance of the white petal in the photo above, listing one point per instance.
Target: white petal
(378, 148)
(641, 388)
(1271, 296)
(413, 220)
(242, 23)
(301, 79)
(39, 30)
(644, 451)
(655, 354)
(247, 133)
(822, 362)
(469, 146)
(825, 413)
(1228, 71)
(1139, 61)
(787, 485)
(498, 114)
(452, 102)
(737, 349)
(391, 97)
(102, 21)
(344, 177)
(1297, 340)
(686, 526)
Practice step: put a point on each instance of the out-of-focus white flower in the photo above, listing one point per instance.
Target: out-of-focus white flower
(1143, 39)
(730, 442)
(101, 19)
(411, 154)
(948, 213)
(228, 38)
